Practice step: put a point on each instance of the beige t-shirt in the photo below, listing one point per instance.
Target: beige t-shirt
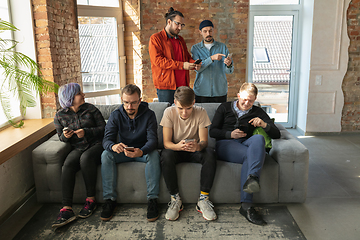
(185, 129)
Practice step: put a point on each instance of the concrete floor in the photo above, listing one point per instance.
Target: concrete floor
(332, 208)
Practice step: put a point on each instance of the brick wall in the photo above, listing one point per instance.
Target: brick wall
(350, 120)
(58, 50)
(132, 44)
(230, 19)
(57, 45)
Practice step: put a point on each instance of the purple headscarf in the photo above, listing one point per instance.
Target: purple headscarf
(67, 93)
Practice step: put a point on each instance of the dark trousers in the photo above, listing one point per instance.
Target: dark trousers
(200, 99)
(165, 95)
(87, 161)
(170, 158)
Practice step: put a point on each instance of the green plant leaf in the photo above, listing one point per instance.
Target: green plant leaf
(17, 82)
(4, 25)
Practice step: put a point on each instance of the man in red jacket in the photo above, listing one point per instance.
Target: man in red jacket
(170, 58)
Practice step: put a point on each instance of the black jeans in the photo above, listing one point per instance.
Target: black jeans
(200, 99)
(87, 161)
(170, 158)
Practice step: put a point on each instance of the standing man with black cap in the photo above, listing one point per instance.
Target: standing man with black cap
(211, 84)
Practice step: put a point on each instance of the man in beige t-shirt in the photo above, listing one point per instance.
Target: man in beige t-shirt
(185, 135)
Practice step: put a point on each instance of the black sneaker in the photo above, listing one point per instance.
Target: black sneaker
(88, 209)
(252, 184)
(152, 210)
(252, 216)
(108, 210)
(65, 216)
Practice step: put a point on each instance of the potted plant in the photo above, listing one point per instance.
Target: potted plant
(15, 82)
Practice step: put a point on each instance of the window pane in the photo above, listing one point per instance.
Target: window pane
(105, 100)
(102, 3)
(261, 55)
(273, 33)
(14, 103)
(99, 53)
(4, 10)
(274, 2)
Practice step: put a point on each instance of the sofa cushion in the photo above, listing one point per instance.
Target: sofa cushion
(210, 109)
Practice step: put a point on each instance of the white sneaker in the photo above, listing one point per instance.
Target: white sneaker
(175, 206)
(205, 206)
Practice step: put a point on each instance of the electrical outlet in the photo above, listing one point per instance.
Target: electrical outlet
(318, 79)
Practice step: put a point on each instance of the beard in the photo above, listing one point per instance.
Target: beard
(209, 39)
(130, 112)
(174, 32)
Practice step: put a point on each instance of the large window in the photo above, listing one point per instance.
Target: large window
(102, 50)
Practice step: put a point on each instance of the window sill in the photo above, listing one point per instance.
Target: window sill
(15, 140)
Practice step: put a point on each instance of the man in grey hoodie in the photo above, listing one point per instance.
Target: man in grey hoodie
(130, 135)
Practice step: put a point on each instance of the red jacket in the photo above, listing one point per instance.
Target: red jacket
(162, 63)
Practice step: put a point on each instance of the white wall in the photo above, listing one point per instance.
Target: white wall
(329, 58)
(305, 50)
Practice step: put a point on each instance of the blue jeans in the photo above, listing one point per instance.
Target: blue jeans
(109, 172)
(165, 95)
(250, 153)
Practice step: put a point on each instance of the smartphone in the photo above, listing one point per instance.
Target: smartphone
(66, 129)
(197, 61)
(243, 128)
(130, 149)
(229, 55)
(189, 140)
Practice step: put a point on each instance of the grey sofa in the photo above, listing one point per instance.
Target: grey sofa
(283, 178)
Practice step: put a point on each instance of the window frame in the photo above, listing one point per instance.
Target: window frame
(280, 10)
(116, 12)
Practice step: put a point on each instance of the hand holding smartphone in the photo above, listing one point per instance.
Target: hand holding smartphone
(66, 129)
(229, 55)
(198, 61)
(189, 140)
(130, 149)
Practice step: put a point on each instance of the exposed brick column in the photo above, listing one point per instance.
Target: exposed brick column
(57, 45)
(350, 120)
(132, 42)
(229, 17)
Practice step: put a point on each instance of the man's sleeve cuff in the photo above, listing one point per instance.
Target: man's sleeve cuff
(228, 134)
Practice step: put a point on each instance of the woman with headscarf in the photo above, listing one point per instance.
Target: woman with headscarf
(82, 125)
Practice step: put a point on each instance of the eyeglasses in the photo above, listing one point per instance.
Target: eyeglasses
(178, 24)
(131, 103)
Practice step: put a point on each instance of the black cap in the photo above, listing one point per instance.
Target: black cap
(206, 23)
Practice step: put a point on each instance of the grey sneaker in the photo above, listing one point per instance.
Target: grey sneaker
(205, 206)
(175, 206)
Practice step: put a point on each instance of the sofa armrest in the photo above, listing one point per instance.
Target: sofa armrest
(293, 159)
(48, 159)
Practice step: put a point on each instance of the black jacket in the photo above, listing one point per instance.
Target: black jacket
(225, 121)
